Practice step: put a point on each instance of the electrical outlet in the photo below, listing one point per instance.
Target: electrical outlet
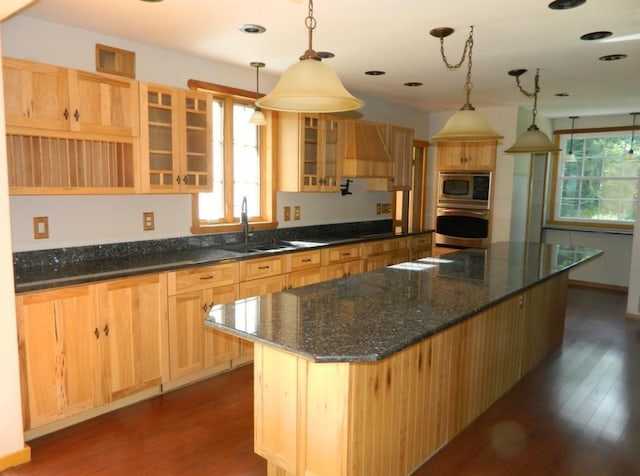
(296, 212)
(148, 222)
(40, 227)
(287, 213)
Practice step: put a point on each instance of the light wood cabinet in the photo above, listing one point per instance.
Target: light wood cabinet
(175, 141)
(49, 97)
(381, 253)
(309, 146)
(366, 150)
(341, 261)
(303, 268)
(467, 155)
(68, 131)
(59, 351)
(420, 246)
(132, 314)
(401, 153)
(192, 293)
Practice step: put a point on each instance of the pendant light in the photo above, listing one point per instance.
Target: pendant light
(631, 154)
(309, 85)
(571, 157)
(467, 124)
(533, 140)
(257, 117)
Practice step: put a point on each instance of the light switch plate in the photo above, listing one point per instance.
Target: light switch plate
(296, 212)
(287, 213)
(148, 222)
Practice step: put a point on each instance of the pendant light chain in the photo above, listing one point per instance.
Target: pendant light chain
(466, 52)
(310, 23)
(534, 94)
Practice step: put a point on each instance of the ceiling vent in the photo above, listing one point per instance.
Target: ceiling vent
(115, 61)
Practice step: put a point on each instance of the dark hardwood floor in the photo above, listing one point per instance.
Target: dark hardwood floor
(576, 414)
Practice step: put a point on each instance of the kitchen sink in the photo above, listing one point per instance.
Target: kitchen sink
(258, 247)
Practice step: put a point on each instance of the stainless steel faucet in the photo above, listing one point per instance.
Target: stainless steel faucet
(244, 220)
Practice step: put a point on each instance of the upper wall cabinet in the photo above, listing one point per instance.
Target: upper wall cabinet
(42, 96)
(175, 140)
(366, 152)
(69, 132)
(308, 147)
(467, 155)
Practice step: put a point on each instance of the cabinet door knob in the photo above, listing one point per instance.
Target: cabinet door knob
(178, 179)
(185, 179)
(205, 306)
(96, 333)
(66, 113)
(77, 115)
(106, 330)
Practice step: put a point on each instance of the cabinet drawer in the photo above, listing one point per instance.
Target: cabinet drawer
(261, 268)
(384, 246)
(340, 254)
(205, 277)
(341, 270)
(261, 286)
(303, 260)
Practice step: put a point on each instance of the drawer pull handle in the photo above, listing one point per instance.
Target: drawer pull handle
(306, 260)
(264, 267)
(204, 278)
(346, 253)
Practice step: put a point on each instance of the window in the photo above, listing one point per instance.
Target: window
(242, 166)
(599, 189)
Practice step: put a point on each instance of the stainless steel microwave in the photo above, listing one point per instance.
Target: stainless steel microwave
(464, 189)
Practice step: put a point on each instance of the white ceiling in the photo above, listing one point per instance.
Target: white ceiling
(393, 36)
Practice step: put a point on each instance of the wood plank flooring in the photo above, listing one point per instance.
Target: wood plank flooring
(576, 414)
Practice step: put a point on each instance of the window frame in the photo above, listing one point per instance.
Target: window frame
(268, 216)
(552, 220)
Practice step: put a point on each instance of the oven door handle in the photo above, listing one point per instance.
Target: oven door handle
(480, 213)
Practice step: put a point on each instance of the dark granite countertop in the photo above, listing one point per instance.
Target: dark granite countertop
(132, 259)
(370, 316)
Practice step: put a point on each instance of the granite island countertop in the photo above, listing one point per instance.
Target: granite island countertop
(370, 316)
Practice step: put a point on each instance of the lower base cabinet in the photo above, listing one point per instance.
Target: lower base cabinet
(83, 346)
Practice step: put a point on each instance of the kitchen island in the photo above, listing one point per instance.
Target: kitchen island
(373, 373)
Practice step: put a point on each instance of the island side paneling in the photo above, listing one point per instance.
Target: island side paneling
(387, 417)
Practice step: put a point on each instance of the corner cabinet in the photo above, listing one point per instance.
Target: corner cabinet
(175, 141)
(308, 147)
(467, 155)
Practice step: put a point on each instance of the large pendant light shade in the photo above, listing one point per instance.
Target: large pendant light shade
(309, 85)
(533, 140)
(467, 124)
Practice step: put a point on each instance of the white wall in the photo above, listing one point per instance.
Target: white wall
(75, 221)
(11, 437)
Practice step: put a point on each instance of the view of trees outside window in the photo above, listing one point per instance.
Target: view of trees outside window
(236, 169)
(601, 185)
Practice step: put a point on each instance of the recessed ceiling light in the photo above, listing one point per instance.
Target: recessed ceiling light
(151, 1)
(566, 4)
(562, 95)
(612, 57)
(325, 54)
(375, 72)
(251, 28)
(413, 84)
(596, 35)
